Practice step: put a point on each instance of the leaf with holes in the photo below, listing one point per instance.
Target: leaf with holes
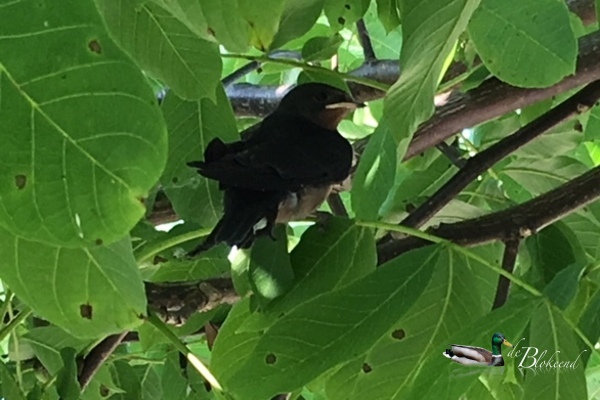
(340, 324)
(83, 140)
(187, 63)
(192, 125)
(525, 43)
(88, 292)
(459, 286)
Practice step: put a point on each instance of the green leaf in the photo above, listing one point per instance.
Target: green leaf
(428, 42)
(550, 332)
(589, 323)
(83, 138)
(592, 128)
(458, 287)
(88, 292)
(9, 389)
(341, 324)
(188, 12)
(553, 250)
(263, 19)
(210, 264)
(125, 377)
(150, 382)
(321, 47)
(226, 23)
(66, 381)
(192, 125)
(563, 287)
(185, 62)
(342, 14)
(48, 341)
(388, 13)
(270, 268)
(525, 43)
(375, 173)
(442, 378)
(298, 17)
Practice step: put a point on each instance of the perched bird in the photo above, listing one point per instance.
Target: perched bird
(468, 355)
(283, 168)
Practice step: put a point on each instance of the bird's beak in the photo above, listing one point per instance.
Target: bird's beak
(348, 105)
(507, 343)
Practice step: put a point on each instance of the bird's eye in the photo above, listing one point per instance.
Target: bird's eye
(321, 97)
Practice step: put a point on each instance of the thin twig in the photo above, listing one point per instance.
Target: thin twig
(97, 356)
(452, 154)
(337, 205)
(240, 73)
(365, 40)
(511, 249)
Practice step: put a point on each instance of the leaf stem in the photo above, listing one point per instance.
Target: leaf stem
(181, 346)
(4, 332)
(152, 249)
(469, 254)
(309, 67)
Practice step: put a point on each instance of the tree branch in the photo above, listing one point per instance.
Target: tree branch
(176, 302)
(520, 221)
(365, 40)
(475, 166)
(97, 356)
(511, 249)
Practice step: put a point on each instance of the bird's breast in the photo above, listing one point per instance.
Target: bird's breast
(299, 205)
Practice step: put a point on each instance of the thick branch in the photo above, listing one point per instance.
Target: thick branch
(516, 222)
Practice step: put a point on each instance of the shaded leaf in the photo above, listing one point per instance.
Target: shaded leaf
(188, 64)
(263, 20)
(525, 43)
(388, 13)
(66, 381)
(226, 23)
(342, 14)
(563, 287)
(48, 341)
(192, 125)
(298, 17)
(321, 47)
(342, 324)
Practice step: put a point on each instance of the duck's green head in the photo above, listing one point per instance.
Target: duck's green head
(497, 341)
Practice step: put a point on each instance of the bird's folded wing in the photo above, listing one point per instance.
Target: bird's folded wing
(285, 161)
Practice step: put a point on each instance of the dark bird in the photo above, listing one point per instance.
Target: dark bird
(283, 168)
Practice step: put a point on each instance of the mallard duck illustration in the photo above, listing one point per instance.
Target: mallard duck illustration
(469, 355)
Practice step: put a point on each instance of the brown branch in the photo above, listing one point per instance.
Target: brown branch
(97, 356)
(176, 302)
(511, 249)
(365, 40)
(494, 98)
(515, 222)
(575, 105)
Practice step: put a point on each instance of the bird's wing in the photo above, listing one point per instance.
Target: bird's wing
(284, 155)
(477, 354)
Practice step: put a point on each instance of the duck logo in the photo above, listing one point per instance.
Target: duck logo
(469, 355)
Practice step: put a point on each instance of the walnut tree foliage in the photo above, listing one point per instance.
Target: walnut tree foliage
(103, 102)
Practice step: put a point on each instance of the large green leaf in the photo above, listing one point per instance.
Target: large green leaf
(192, 125)
(226, 23)
(82, 138)
(525, 43)
(388, 13)
(549, 331)
(165, 47)
(341, 324)
(88, 292)
(458, 287)
(297, 18)
(264, 20)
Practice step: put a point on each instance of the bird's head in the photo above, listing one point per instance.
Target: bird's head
(322, 104)
(498, 339)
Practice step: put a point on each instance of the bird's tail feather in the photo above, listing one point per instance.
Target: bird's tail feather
(243, 210)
